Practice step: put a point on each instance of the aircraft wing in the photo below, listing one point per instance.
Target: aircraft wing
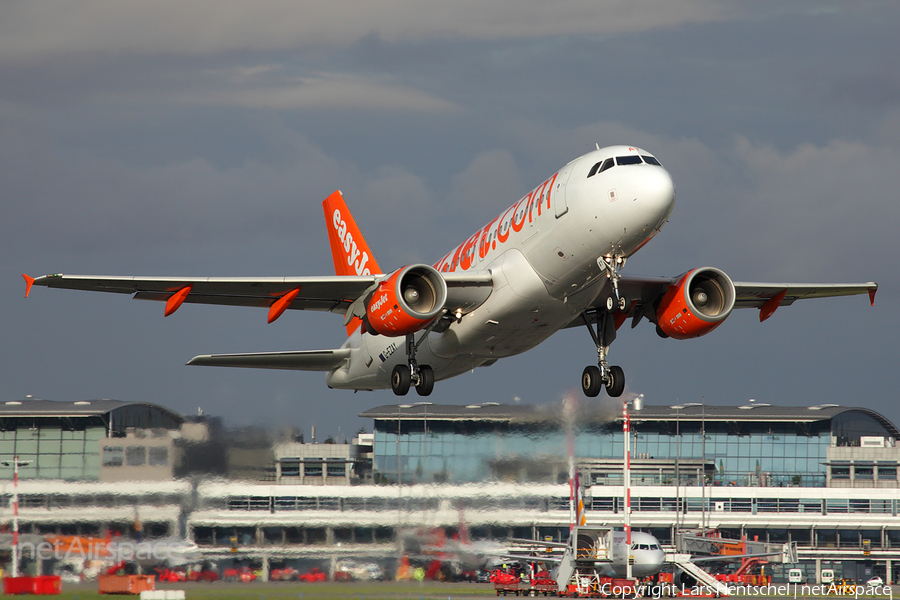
(645, 291)
(329, 293)
(755, 295)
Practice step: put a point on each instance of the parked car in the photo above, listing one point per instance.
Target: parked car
(313, 575)
(359, 571)
(285, 574)
(875, 582)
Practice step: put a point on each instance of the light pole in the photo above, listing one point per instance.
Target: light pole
(424, 406)
(638, 403)
(15, 462)
(399, 455)
(678, 510)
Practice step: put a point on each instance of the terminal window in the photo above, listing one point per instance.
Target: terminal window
(113, 456)
(135, 456)
(312, 469)
(158, 456)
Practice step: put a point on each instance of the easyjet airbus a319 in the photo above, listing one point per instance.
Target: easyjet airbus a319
(550, 261)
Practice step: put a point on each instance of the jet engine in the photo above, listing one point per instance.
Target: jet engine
(407, 301)
(696, 304)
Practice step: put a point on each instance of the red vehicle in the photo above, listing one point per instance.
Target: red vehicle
(285, 574)
(243, 574)
(313, 575)
(207, 575)
(171, 576)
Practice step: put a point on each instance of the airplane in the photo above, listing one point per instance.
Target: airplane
(550, 261)
(589, 545)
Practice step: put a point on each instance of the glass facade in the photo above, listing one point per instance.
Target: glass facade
(55, 441)
(733, 452)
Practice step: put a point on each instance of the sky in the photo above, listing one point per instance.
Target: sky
(200, 138)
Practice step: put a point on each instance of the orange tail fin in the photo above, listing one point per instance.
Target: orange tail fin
(349, 249)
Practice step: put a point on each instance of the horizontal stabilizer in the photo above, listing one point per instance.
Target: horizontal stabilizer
(299, 360)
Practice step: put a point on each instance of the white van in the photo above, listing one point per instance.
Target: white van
(795, 576)
(827, 576)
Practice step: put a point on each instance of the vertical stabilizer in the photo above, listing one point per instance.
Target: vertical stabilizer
(349, 250)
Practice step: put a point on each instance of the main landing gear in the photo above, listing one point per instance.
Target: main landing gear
(613, 378)
(421, 376)
(594, 378)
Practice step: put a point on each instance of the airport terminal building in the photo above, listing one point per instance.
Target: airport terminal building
(823, 476)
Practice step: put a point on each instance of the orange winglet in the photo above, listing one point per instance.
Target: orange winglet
(279, 306)
(177, 299)
(771, 305)
(30, 280)
(871, 295)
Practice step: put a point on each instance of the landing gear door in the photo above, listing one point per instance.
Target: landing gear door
(559, 190)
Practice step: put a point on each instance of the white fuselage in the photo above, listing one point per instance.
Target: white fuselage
(646, 550)
(542, 253)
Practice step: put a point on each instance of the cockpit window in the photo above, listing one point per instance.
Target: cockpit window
(628, 160)
(651, 161)
(601, 166)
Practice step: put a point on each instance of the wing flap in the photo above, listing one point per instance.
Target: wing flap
(299, 360)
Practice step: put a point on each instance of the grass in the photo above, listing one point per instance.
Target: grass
(387, 590)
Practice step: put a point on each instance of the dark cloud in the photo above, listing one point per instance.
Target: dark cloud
(149, 141)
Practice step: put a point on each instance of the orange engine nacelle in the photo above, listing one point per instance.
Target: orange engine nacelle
(407, 301)
(698, 303)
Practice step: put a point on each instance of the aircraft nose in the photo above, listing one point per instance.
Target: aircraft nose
(654, 193)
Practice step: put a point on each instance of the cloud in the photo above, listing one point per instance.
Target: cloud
(328, 90)
(31, 31)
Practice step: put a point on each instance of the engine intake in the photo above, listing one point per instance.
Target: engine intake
(696, 304)
(407, 301)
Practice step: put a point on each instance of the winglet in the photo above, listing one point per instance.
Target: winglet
(771, 305)
(29, 281)
(872, 291)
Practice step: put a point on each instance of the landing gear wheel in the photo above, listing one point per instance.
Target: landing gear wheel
(624, 305)
(426, 380)
(615, 382)
(400, 379)
(591, 381)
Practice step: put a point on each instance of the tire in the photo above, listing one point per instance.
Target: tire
(400, 380)
(426, 380)
(590, 381)
(616, 382)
